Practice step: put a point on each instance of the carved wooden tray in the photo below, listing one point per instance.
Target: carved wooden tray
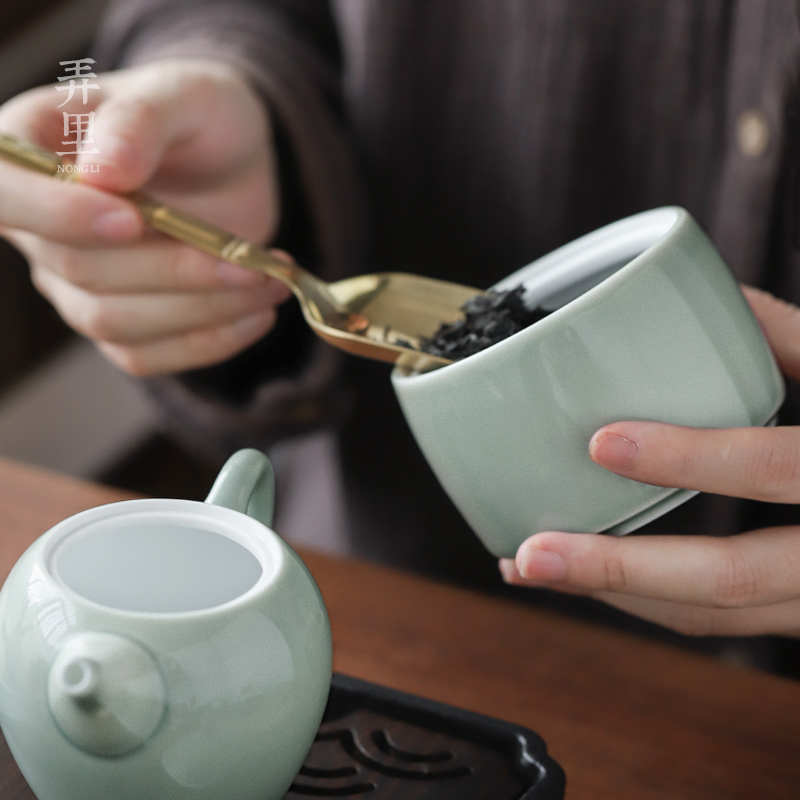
(379, 743)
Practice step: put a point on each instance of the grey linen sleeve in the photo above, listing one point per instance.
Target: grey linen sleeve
(290, 51)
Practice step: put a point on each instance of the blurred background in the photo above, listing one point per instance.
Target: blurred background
(62, 406)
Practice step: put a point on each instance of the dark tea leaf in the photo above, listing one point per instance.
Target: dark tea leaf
(488, 319)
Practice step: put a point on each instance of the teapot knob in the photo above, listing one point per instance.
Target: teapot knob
(105, 693)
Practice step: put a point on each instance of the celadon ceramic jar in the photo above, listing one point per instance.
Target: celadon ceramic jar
(647, 323)
(159, 649)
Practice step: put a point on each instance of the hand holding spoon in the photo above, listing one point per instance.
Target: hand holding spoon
(384, 316)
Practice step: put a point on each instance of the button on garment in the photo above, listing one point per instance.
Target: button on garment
(752, 133)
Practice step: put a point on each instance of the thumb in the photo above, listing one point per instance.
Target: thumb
(131, 134)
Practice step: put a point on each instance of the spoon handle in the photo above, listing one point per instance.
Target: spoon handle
(178, 224)
(207, 237)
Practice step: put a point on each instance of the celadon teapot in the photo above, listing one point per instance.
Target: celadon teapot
(158, 649)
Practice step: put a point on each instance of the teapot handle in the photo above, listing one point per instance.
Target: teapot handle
(246, 483)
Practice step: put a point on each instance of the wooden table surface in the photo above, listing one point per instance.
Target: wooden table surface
(627, 719)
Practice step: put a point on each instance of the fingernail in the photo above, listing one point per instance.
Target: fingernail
(536, 564)
(113, 151)
(117, 225)
(254, 324)
(282, 255)
(508, 569)
(231, 275)
(510, 574)
(272, 292)
(613, 451)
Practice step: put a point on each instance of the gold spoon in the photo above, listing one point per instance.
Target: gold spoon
(384, 316)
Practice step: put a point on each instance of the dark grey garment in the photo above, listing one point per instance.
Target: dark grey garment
(463, 139)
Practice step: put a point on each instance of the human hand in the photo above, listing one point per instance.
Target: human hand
(742, 585)
(197, 136)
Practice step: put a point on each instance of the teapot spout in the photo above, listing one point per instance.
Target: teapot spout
(106, 694)
(79, 679)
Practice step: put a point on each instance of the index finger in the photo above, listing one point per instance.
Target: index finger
(756, 463)
(66, 213)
